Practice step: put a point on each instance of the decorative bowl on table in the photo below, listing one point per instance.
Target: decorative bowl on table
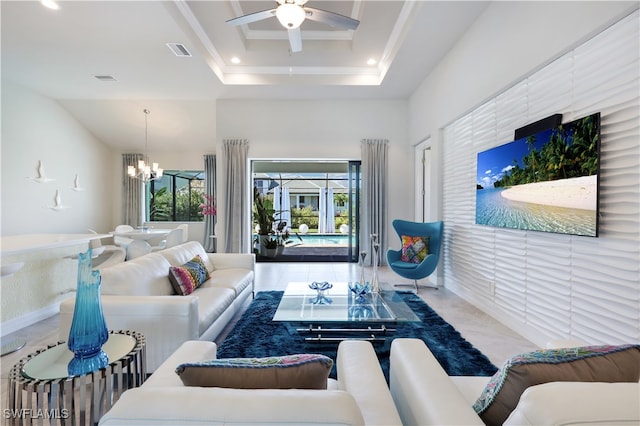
(360, 290)
(321, 287)
(360, 312)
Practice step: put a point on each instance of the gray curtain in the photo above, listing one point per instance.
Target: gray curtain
(374, 196)
(210, 189)
(237, 202)
(132, 193)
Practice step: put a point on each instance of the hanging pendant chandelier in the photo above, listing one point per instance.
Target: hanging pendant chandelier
(146, 170)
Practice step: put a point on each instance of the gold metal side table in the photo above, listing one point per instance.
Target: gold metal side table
(41, 392)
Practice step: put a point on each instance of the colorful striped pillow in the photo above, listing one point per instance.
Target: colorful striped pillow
(603, 363)
(414, 249)
(186, 278)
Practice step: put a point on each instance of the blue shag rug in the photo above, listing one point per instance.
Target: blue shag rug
(255, 335)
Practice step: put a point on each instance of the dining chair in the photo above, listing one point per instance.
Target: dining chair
(174, 238)
(185, 231)
(137, 248)
(116, 253)
(122, 241)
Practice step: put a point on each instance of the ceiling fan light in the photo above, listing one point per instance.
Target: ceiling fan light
(290, 15)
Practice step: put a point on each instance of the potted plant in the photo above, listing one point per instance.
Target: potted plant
(270, 246)
(263, 214)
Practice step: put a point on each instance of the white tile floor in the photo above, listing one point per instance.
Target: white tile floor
(494, 339)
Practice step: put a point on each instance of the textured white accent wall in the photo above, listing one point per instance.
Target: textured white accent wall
(47, 278)
(548, 285)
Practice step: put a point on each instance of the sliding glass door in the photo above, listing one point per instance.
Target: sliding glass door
(354, 210)
(314, 206)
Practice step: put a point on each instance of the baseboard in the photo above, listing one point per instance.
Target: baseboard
(31, 318)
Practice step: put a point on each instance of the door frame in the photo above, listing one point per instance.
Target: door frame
(423, 178)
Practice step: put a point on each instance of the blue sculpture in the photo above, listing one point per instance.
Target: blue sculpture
(88, 328)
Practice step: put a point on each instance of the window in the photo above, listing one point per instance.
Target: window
(176, 197)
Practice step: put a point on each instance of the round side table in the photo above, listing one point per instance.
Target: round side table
(42, 392)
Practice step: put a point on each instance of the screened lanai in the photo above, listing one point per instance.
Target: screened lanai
(317, 200)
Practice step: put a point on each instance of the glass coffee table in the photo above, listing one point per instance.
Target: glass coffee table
(337, 313)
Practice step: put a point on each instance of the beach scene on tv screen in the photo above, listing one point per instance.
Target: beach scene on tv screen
(545, 182)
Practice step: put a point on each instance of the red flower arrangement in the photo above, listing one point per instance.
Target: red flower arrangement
(208, 208)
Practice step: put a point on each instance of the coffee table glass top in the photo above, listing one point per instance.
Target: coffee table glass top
(339, 304)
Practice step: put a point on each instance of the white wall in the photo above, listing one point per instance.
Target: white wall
(544, 285)
(324, 129)
(37, 128)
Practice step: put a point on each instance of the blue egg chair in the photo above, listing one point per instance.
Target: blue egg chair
(425, 267)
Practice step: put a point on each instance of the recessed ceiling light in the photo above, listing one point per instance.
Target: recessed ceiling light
(50, 4)
(371, 61)
(235, 60)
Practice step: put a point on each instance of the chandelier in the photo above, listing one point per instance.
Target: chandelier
(146, 170)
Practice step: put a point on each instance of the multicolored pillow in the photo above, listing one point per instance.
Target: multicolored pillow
(414, 249)
(186, 278)
(302, 371)
(582, 364)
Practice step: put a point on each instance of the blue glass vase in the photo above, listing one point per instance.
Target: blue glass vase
(88, 328)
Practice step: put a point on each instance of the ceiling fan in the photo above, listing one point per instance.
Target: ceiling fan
(291, 14)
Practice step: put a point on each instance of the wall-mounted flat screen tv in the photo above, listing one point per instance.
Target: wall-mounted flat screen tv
(548, 181)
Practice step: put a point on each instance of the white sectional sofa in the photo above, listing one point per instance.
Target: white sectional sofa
(360, 396)
(137, 295)
(424, 395)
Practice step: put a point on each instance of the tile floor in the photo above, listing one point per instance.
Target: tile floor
(494, 339)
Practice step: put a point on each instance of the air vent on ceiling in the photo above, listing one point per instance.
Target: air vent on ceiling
(179, 49)
(105, 77)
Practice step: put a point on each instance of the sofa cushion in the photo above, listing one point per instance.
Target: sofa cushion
(223, 406)
(414, 249)
(181, 254)
(301, 371)
(582, 364)
(212, 302)
(186, 278)
(143, 276)
(236, 279)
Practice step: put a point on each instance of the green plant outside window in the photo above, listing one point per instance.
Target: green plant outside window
(176, 197)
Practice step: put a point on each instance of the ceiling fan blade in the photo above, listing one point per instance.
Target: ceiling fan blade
(252, 17)
(295, 39)
(331, 18)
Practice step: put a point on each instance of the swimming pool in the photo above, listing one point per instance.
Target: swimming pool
(321, 239)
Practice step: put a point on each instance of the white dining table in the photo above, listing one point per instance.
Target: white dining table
(143, 234)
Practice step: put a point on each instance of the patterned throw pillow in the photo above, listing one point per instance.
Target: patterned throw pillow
(583, 364)
(414, 249)
(186, 278)
(302, 371)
